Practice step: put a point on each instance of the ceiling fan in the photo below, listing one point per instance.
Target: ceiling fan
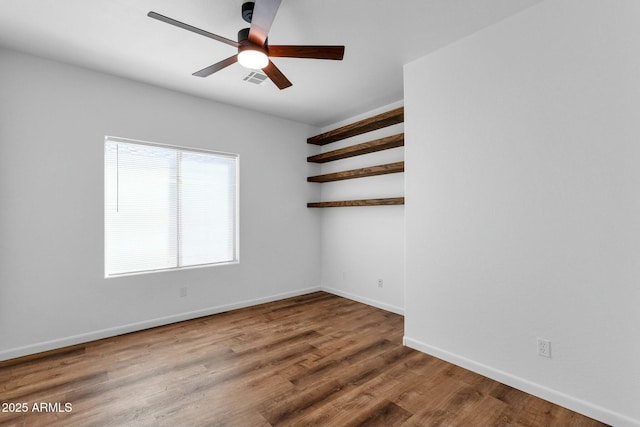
(254, 52)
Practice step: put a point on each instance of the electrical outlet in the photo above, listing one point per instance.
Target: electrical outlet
(544, 348)
(380, 283)
(183, 292)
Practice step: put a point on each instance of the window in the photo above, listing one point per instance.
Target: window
(168, 207)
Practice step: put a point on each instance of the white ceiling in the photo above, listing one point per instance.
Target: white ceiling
(116, 36)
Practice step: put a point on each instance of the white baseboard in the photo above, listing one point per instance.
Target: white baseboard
(364, 300)
(139, 326)
(586, 408)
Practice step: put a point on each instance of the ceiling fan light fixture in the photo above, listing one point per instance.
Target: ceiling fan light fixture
(253, 59)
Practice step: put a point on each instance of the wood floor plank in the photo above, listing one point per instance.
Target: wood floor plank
(312, 360)
(284, 409)
(384, 415)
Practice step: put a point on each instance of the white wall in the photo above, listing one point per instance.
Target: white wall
(53, 119)
(523, 204)
(361, 245)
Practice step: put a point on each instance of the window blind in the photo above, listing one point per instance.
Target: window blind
(168, 207)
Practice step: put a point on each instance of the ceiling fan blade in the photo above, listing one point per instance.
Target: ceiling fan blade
(188, 27)
(264, 12)
(315, 52)
(276, 76)
(216, 67)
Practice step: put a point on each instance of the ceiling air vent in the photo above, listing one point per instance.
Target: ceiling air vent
(255, 77)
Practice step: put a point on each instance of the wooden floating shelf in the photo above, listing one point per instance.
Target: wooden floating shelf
(359, 173)
(364, 202)
(360, 149)
(363, 126)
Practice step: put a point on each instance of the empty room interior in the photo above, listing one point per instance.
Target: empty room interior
(411, 213)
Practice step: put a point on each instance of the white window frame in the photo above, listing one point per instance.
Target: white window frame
(179, 149)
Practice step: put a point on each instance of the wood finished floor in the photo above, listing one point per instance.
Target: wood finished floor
(314, 360)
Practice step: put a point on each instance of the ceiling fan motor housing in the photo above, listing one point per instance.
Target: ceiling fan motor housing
(247, 11)
(243, 38)
(243, 35)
